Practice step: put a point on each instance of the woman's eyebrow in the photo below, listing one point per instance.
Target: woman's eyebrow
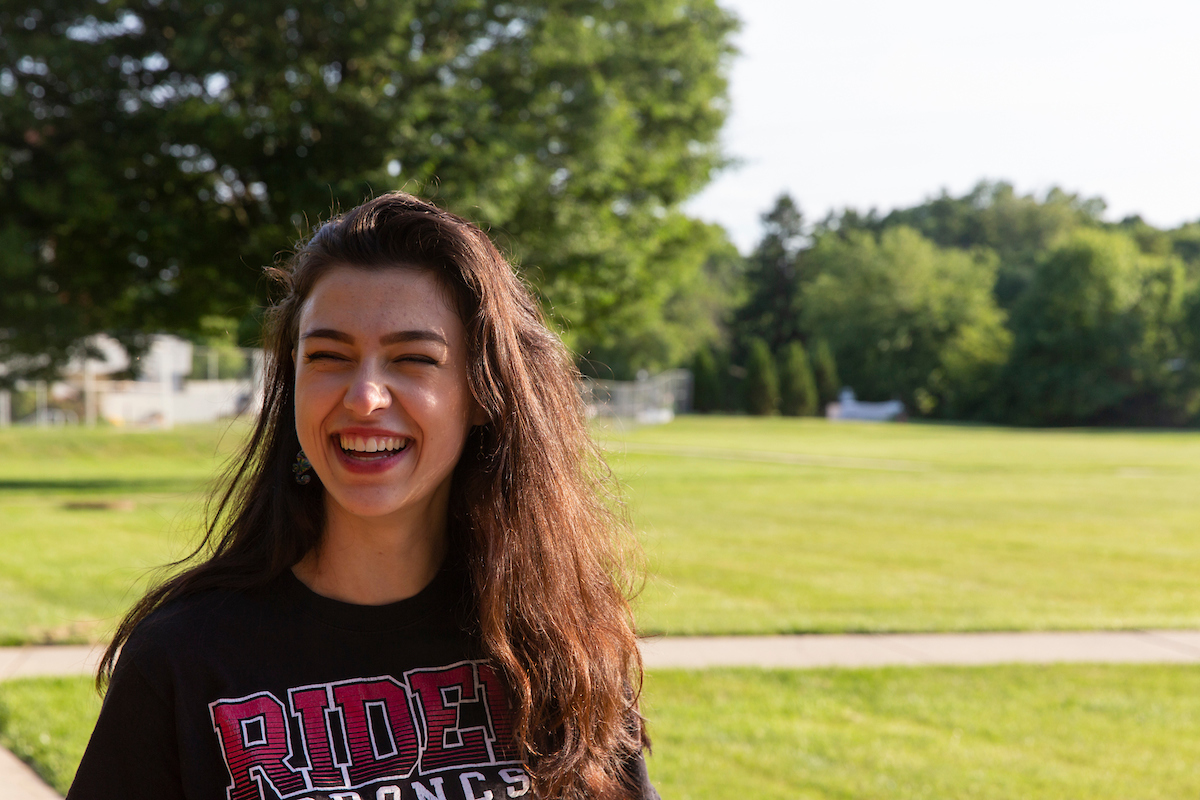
(398, 337)
(328, 333)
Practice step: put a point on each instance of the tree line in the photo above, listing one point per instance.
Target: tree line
(989, 306)
(156, 154)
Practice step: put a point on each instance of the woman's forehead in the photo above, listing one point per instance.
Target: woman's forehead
(355, 298)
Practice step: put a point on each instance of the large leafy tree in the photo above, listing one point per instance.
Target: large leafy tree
(906, 319)
(1018, 228)
(1105, 333)
(154, 154)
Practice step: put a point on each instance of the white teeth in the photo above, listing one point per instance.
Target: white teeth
(371, 444)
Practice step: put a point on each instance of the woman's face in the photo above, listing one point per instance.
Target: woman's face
(382, 402)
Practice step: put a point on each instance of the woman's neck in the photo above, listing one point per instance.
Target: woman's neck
(373, 561)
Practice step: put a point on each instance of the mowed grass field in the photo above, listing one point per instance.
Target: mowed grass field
(784, 525)
(748, 525)
(67, 568)
(753, 526)
(992, 733)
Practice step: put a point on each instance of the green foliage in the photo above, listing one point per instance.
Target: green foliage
(907, 319)
(825, 372)
(1103, 333)
(661, 324)
(797, 387)
(923, 305)
(1185, 243)
(762, 380)
(154, 155)
(706, 385)
(1019, 229)
(771, 310)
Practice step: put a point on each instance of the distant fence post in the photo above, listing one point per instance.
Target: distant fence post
(5, 408)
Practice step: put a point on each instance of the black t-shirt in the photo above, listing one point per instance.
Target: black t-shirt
(281, 693)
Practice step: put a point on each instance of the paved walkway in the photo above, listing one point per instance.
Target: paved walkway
(18, 782)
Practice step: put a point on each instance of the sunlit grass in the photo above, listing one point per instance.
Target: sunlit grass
(749, 525)
(991, 733)
(911, 527)
(46, 722)
(67, 572)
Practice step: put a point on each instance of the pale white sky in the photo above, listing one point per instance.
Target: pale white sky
(884, 102)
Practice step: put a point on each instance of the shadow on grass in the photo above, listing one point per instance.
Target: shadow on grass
(21, 485)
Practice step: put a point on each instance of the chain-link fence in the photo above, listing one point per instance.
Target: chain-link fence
(650, 399)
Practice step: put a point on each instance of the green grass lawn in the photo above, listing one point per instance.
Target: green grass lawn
(749, 525)
(755, 525)
(1119, 732)
(1033, 732)
(46, 722)
(66, 574)
(785, 525)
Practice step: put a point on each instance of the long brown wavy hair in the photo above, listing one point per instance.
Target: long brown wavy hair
(531, 513)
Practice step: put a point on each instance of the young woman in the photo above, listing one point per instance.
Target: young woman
(413, 586)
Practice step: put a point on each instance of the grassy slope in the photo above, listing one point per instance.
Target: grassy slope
(1119, 732)
(970, 529)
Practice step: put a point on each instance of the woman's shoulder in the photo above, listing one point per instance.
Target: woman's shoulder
(183, 623)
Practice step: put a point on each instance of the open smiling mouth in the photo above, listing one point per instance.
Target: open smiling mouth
(372, 448)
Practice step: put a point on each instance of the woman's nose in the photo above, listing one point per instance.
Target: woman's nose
(367, 393)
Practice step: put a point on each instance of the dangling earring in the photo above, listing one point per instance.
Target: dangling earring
(301, 468)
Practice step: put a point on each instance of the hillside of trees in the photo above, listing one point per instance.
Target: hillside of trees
(992, 306)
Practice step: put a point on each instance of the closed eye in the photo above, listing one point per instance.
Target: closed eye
(321, 355)
(417, 359)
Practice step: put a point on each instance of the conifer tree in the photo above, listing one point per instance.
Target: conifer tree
(797, 388)
(762, 381)
(706, 384)
(825, 373)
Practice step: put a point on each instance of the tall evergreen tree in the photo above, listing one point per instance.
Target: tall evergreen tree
(825, 372)
(797, 388)
(771, 311)
(762, 380)
(706, 384)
